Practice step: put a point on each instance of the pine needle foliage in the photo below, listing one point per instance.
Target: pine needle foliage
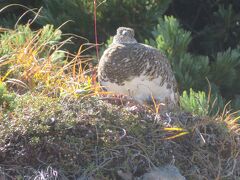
(76, 12)
(222, 69)
(225, 71)
(195, 102)
(170, 37)
(110, 15)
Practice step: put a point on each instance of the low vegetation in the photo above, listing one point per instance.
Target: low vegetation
(56, 122)
(70, 137)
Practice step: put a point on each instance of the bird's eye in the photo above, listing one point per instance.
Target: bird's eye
(124, 32)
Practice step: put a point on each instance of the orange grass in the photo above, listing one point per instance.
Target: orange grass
(32, 66)
(231, 119)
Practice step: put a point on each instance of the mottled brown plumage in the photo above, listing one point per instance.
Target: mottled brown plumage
(138, 70)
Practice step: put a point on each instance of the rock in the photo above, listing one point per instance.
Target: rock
(168, 172)
(164, 173)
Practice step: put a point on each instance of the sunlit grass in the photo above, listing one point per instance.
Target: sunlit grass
(232, 119)
(34, 61)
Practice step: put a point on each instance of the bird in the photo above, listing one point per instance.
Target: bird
(137, 70)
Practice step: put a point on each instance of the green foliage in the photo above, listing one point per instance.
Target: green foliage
(32, 60)
(71, 126)
(195, 102)
(8, 21)
(223, 30)
(170, 38)
(191, 71)
(225, 71)
(12, 40)
(22, 46)
(110, 15)
(7, 99)
(57, 12)
(33, 115)
(139, 14)
(222, 69)
(173, 40)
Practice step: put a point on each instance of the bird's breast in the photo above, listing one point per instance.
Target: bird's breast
(142, 89)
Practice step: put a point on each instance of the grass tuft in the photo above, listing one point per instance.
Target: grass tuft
(33, 60)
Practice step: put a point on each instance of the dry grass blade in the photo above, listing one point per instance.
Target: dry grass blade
(232, 120)
(176, 136)
(181, 132)
(11, 5)
(18, 82)
(30, 67)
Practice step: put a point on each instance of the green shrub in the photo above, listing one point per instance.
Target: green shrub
(173, 40)
(170, 38)
(7, 99)
(222, 69)
(33, 115)
(23, 41)
(225, 72)
(8, 21)
(221, 29)
(110, 15)
(12, 40)
(195, 102)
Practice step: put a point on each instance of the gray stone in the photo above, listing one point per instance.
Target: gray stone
(164, 173)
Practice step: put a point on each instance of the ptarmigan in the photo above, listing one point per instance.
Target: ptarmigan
(137, 70)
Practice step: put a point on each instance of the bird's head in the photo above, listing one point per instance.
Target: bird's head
(124, 36)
